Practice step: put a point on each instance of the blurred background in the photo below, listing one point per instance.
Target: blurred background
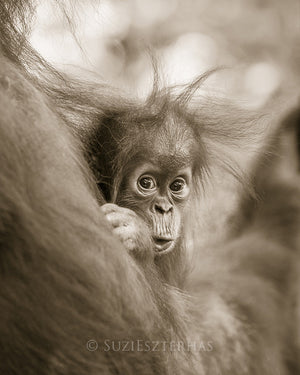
(113, 40)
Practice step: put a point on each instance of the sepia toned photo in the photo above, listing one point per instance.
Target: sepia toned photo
(149, 187)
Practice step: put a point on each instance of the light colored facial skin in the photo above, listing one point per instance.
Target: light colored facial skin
(161, 198)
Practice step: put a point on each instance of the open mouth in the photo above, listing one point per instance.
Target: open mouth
(163, 245)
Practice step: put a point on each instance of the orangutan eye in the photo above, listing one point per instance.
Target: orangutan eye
(177, 185)
(146, 183)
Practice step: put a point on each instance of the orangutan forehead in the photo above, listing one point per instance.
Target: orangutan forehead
(172, 158)
(168, 157)
(168, 149)
(167, 142)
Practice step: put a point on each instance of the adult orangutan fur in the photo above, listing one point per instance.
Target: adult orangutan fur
(72, 300)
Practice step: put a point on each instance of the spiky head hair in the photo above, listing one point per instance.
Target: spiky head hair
(168, 128)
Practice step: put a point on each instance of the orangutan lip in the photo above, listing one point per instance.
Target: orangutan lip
(162, 244)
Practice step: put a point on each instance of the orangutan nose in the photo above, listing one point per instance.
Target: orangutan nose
(163, 207)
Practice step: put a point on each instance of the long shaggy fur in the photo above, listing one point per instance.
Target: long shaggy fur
(65, 280)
